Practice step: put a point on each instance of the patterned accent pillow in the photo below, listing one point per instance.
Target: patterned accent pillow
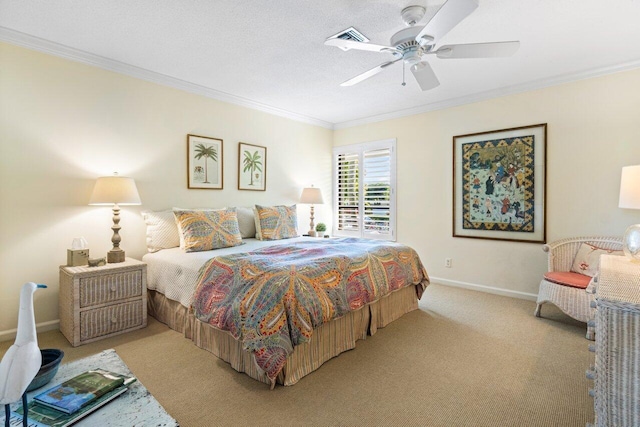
(587, 260)
(175, 220)
(162, 232)
(276, 222)
(208, 229)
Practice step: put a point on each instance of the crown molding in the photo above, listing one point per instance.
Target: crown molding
(36, 43)
(483, 96)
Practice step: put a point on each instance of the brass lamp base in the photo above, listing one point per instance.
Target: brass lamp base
(115, 255)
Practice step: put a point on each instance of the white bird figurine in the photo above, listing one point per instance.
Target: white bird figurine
(22, 361)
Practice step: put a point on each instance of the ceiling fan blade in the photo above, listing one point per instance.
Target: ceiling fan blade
(372, 72)
(447, 17)
(477, 50)
(425, 76)
(350, 44)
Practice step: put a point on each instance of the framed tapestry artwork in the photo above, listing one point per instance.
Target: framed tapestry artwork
(499, 184)
(252, 167)
(204, 162)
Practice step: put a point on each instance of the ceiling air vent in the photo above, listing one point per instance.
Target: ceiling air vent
(350, 34)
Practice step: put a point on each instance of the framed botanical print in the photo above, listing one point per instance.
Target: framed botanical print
(252, 167)
(204, 162)
(499, 184)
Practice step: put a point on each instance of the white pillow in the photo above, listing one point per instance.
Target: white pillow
(162, 232)
(177, 223)
(246, 220)
(256, 223)
(587, 259)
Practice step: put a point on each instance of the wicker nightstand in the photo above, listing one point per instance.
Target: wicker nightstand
(99, 302)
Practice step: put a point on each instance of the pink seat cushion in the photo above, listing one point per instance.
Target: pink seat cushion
(568, 278)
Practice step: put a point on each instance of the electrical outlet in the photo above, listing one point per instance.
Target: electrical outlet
(447, 262)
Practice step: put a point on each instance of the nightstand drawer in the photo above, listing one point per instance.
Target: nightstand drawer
(104, 288)
(111, 319)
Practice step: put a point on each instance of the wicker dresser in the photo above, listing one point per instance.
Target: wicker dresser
(99, 302)
(617, 367)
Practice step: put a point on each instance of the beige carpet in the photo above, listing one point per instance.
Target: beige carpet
(464, 359)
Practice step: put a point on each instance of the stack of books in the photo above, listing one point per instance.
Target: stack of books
(66, 403)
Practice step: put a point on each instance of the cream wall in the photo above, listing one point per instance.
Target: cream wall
(593, 130)
(62, 124)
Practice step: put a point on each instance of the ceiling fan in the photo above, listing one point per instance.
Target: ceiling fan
(413, 44)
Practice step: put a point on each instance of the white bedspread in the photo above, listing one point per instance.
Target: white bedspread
(174, 272)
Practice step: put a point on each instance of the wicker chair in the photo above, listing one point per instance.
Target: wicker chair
(574, 302)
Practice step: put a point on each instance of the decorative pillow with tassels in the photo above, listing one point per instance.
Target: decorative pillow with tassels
(204, 230)
(276, 222)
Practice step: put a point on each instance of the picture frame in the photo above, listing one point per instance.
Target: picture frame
(204, 162)
(499, 184)
(252, 167)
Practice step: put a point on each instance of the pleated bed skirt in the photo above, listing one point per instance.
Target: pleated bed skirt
(327, 341)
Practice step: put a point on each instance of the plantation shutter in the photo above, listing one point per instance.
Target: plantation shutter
(364, 190)
(377, 192)
(348, 192)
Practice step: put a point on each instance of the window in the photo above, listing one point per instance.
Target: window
(364, 179)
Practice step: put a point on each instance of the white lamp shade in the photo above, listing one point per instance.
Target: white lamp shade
(115, 189)
(630, 188)
(312, 196)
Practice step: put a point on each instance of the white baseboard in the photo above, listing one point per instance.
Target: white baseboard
(55, 324)
(40, 327)
(485, 288)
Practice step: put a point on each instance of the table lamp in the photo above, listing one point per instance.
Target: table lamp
(312, 196)
(115, 190)
(630, 199)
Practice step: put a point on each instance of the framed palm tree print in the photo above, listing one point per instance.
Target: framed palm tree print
(204, 162)
(252, 167)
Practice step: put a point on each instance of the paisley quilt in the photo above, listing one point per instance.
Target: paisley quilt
(271, 299)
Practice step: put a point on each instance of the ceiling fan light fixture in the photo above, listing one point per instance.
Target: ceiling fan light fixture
(412, 57)
(418, 66)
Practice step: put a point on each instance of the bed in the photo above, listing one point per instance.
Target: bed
(195, 294)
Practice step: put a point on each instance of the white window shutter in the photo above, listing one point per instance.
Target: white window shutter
(364, 190)
(347, 194)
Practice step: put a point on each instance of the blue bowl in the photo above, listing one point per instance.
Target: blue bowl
(51, 359)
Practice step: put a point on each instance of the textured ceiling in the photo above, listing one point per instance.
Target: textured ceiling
(272, 53)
